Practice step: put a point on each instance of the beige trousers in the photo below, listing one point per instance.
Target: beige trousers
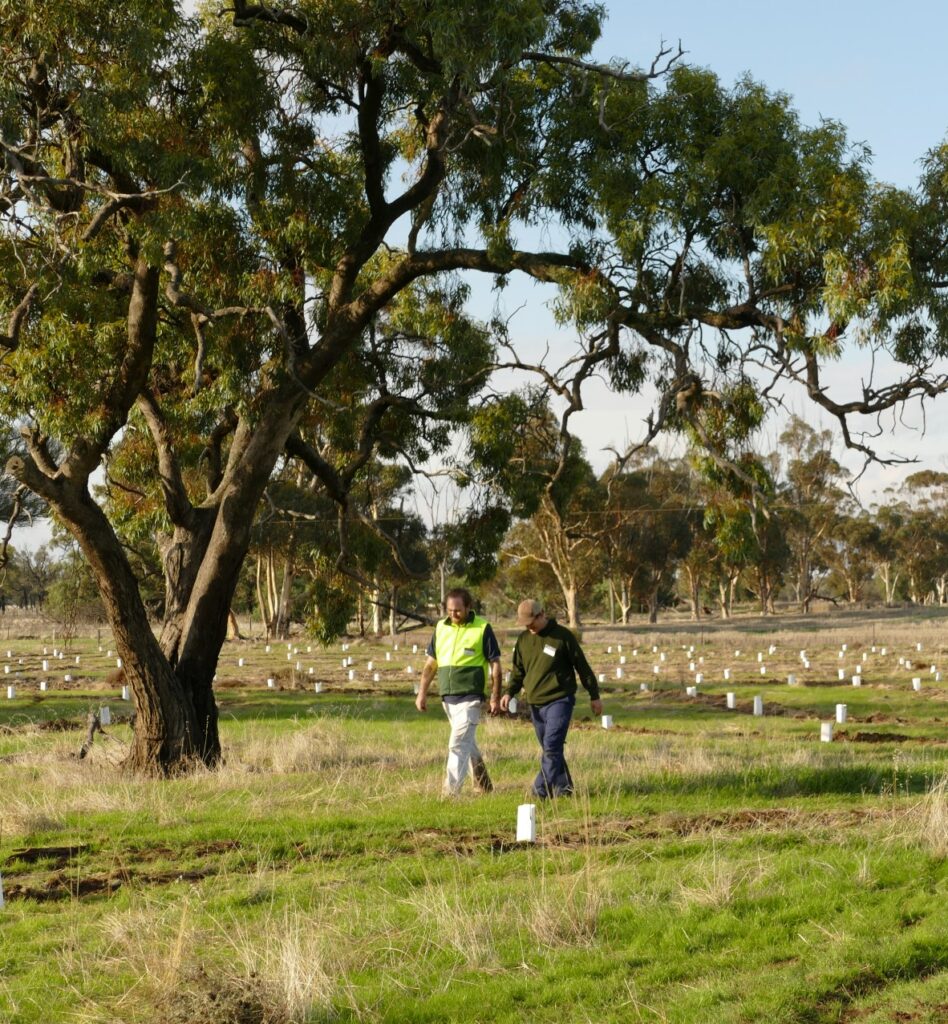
(462, 744)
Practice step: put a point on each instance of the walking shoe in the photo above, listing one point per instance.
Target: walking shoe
(482, 781)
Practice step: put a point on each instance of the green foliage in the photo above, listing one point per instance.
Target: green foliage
(330, 602)
(506, 450)
(478, 537)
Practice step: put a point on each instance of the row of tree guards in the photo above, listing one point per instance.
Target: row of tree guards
(697, 665)
(689, 653)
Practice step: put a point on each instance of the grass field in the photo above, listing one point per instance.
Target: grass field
(714, 866)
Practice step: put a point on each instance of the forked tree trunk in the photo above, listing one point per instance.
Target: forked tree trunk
(890, 580)
(625, 603)
(726, 590)
(173, 723)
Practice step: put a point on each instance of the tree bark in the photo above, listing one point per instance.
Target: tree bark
(625, 605)
(694, 590)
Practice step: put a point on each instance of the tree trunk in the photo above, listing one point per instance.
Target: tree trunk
(261, 603)
(723, 598)
(284, 616)
(612, 603)
(376, 609)
(625, 605)
(572, 606)
(173, 724)
(763, 586)
(653, 604)
(694, 591)
(890, 580)
(727, 589)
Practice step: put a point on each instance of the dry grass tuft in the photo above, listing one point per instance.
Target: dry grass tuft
(563, 911)
(278, 970)
(927, 820)
(321, 747)
(451, 921)
(714, 883)
(286, 961)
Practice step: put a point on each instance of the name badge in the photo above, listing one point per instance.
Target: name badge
(550, 650)
(469, 651)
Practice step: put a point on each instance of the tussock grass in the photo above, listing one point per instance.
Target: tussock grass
(564, 911)
(714, 881)
(279, 968)
(926, 822)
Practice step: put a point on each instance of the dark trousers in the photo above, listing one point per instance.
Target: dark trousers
(551, 723)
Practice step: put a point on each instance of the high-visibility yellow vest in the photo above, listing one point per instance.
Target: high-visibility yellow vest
(459, 652)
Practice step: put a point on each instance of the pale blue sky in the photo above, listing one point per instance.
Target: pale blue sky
(879, 67)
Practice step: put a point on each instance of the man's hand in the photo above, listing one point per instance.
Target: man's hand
(421, 701)
(504, 702)
(495, 705)
(597, 707)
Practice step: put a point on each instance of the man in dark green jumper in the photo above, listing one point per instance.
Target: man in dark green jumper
(463, 652)
(546, 660)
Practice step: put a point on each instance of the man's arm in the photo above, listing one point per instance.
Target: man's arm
(515, 685)
(496, 679)
(492, 654)
(427, 674)
(586, 675)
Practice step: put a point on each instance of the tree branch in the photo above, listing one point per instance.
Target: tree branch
(123, 390)
(12, 339)
(662, 63)
(247, 14)
(178, 505)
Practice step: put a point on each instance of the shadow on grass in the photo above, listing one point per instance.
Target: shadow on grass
(915, 962)
(852, 780)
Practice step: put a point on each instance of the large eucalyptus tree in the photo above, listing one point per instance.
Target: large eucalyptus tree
(232, 238)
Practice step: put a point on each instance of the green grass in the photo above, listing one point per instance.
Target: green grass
(714, 866)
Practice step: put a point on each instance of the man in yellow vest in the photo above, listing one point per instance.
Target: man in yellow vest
(463, 652)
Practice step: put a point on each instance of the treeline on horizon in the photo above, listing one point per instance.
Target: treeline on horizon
(657, 533)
